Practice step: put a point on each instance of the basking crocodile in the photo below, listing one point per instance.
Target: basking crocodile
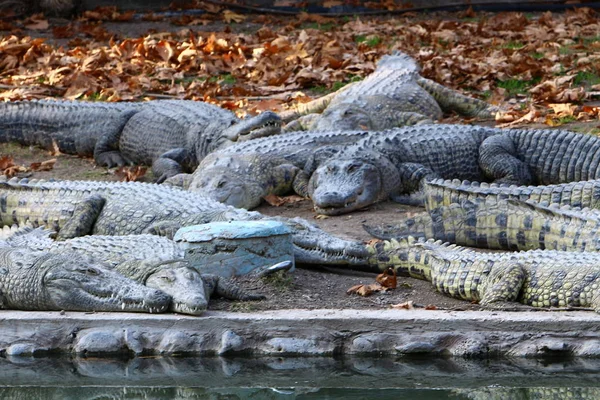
(396, 163)
(242, 174)
(393, 95)
(534, 278)
(157, 262)
(77, 208)
(36, 280)
(170, 135)
(502, 224)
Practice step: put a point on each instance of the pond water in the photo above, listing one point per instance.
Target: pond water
(296, 378)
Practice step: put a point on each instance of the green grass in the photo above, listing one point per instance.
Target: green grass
(586, 78)
(281, 280)
(566, 50)
(370, 41)
(537, 56)
(517, 86)
(566, 119)
(315, 25)
(586, 41)
(513, 45)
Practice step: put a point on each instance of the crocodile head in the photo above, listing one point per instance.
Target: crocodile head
(344, 116)
(264, 124)
(68, 281)
(229, 179)
(343, 185)
(184, 284)
(312, 245)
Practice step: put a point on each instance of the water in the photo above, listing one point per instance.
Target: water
(296, 378)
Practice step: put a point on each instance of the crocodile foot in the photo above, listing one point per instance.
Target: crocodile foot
(111, 159)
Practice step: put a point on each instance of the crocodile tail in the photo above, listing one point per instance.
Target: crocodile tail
(399, 61)
(557, 212)
(419, 226)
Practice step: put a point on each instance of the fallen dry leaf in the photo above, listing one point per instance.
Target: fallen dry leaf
(229, 16)
(130, 174)
(47, 165)
(407, 305)
(366, 290)
(278, 201)
(6, 162)
(388, 278)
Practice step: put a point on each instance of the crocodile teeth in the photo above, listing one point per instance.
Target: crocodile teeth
(122, 306)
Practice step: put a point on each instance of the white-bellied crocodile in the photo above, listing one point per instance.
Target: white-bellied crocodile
(77, 208)
(170, 135)
(156, 262)
(393, 95)
(37, 280)
(534, 278)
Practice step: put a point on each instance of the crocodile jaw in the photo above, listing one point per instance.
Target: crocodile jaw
(71, 284)
(185, 286)
(342, 186)
(264, 124)
(315, 246)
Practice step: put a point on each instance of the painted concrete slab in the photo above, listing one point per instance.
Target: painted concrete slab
(305, 333)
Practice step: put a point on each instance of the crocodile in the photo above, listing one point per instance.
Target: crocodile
(157, 262)
(37, 280)
(393, 95)
(170, 135)
(506, 224)
(536, 278)
(77, 208)
(242, 174)
(396, 164)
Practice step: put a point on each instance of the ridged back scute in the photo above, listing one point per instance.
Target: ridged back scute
(398, 61)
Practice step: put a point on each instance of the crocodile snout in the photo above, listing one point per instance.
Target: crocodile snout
(334, 198)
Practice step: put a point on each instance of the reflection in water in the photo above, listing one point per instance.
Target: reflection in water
(296, 378)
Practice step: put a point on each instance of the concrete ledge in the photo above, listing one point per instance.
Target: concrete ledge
(305, 333)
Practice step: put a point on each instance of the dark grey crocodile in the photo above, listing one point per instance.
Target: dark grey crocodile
(242, 174)
(393, 95)
(398, 162)
(170, 135)
(156, 262)
(534, 278)
(76, 208)
(35, 280)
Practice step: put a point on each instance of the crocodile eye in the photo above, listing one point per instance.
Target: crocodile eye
(167, 278)
(89, 271)
(348, 113)
(220, 184)
(352, 168)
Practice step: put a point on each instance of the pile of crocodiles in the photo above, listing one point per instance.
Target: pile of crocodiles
(475, 182)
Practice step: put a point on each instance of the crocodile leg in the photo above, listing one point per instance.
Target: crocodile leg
(83, 219)
(171, 163)
(300, 184)
(107, 151)
(498, 160)
(503, 286)
(226, 288)
(412, 178)
(182, 181)
(450, 100)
